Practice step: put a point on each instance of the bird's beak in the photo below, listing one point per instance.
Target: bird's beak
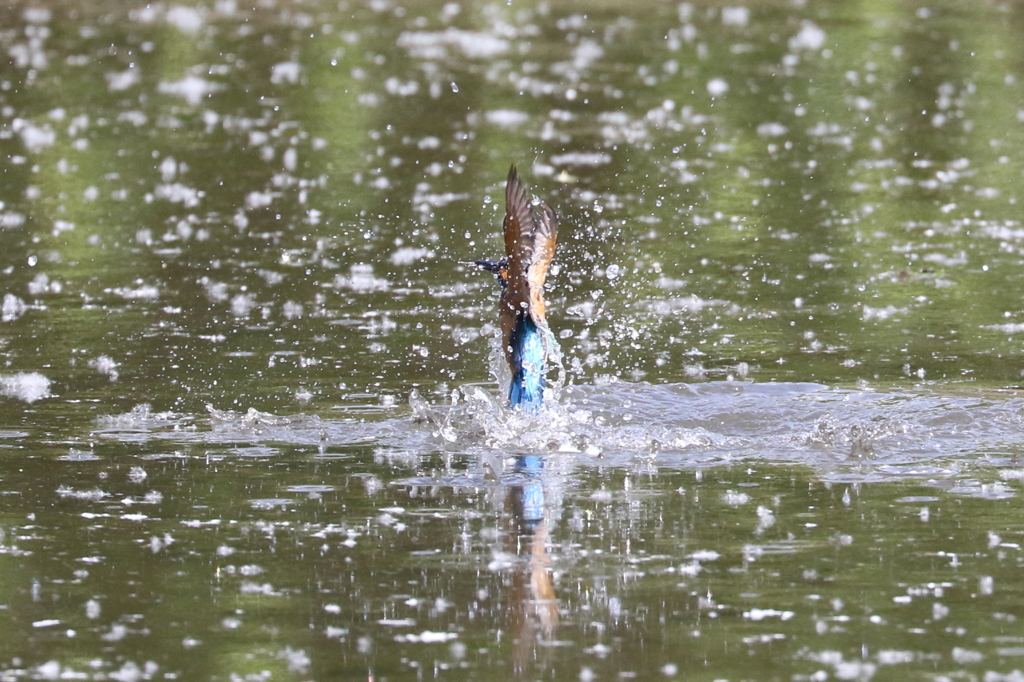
(490, 265)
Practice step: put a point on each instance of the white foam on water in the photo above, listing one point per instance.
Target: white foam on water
(27, 386)
(192, 89)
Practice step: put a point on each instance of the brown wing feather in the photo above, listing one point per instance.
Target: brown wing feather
(545, 238)
(519, 228)
(529, 247)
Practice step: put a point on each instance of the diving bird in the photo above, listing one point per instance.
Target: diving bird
(525, 336)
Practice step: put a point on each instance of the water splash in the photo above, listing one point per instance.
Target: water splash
(875, 435)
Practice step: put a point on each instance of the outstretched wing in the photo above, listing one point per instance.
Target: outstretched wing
(545, 238)
(529, 247)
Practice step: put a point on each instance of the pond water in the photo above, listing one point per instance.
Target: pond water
(251, 427)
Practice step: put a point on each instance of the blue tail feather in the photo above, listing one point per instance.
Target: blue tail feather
(528, 356)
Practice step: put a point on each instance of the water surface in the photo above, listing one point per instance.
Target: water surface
(250, 423)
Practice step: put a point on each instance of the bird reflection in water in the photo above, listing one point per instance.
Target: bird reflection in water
(532, 605)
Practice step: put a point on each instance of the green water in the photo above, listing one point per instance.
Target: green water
(236, 238)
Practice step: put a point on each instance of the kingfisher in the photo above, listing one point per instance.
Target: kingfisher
(530, 238)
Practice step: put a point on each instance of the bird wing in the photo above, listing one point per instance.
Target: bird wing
(529, 246)
(545, 237)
